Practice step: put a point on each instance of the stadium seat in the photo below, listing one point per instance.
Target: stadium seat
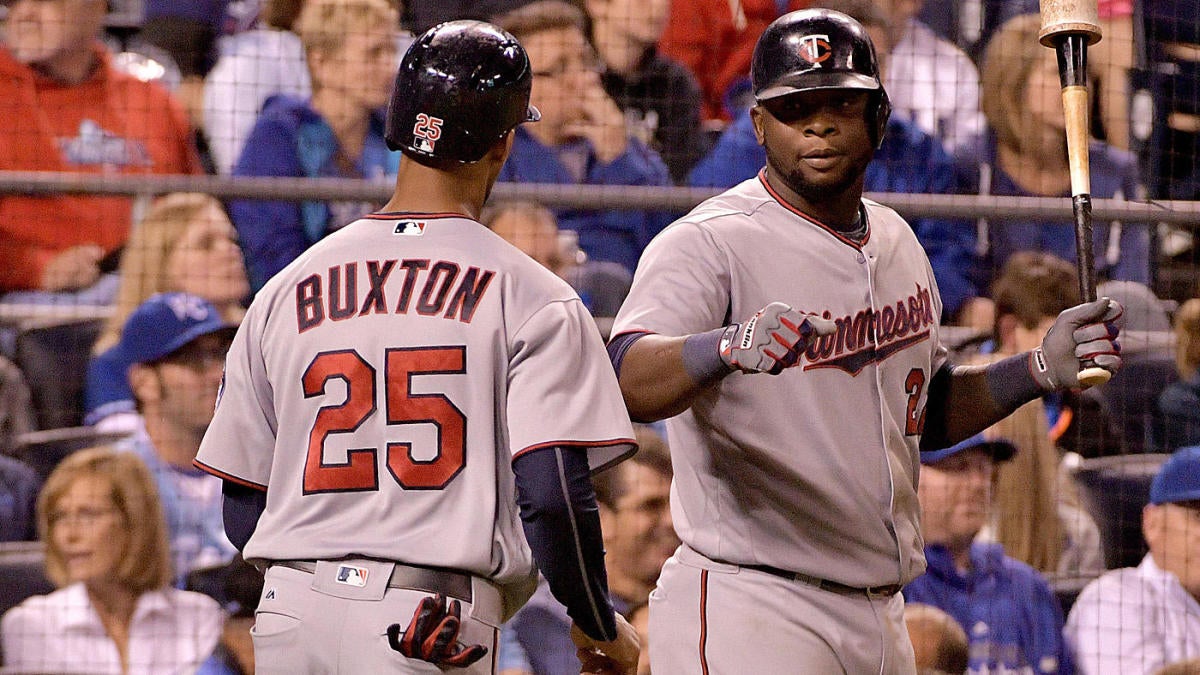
(43, 450)
(22, 573)
(1114, 490)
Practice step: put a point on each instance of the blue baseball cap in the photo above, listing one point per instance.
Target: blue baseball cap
(166, 322)
(1001, 449)
(1179, 478)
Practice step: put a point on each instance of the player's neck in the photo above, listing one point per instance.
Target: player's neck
(839, 211)
(423, 189)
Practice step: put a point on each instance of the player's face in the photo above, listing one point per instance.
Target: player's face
(39, 31)
(88, 531)
(955, 496)
(642, 536)
(564, 66)
(188, 380)
(1173, 533)
(207, 260)
(817, 141)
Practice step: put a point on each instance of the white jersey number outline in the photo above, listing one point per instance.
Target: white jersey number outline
(360, 471)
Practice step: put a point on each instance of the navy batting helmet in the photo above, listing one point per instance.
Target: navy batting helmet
(461, 87)
(819, 49)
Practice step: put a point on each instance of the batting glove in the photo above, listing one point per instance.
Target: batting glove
(773, 339)
(432, 635)
(1083, 332)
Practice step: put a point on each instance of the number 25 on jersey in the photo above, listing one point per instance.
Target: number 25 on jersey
(360, 471)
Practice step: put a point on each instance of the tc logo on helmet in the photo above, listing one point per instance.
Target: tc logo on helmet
(815, 48)
(427, 130)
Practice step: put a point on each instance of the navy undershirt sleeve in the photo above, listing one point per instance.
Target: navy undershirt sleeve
(562, 524)
(241, 508)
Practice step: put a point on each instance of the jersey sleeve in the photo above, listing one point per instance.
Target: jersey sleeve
(240, 442)
(681, 286)
(562, 389)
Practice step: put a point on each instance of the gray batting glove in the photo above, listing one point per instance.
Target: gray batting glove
(1083, 332)
(773, 339)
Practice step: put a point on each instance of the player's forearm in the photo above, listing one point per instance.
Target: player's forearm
(964, 400)
(654, 380)
(562, 525)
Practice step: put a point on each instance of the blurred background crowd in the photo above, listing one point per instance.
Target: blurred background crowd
(116, 309)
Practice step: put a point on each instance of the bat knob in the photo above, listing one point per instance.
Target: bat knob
(1092, 376)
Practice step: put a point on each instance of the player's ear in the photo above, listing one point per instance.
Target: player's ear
(501, 148)
(756, 118)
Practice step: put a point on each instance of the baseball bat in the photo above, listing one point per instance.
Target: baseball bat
(1069, 26)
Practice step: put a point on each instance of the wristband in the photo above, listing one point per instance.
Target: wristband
(1011, 382)
(702, 356)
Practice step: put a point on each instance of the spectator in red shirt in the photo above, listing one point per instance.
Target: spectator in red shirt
(715, 39)
(66, 108)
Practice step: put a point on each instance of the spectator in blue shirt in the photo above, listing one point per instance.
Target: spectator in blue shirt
(581, 138)
(174, 345)
(337, 133)
(1012, 618)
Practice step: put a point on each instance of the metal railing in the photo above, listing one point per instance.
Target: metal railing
(970, 207)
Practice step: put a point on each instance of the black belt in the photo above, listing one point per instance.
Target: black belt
(886, 590)
(428, 579)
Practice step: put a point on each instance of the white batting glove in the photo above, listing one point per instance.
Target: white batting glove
(773, 339)
(1083, 332)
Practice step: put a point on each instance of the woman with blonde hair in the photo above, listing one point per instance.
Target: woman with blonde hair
(1034, 516)
(185, 243)
(106, 551)
(1025, 155)
(1179, 403)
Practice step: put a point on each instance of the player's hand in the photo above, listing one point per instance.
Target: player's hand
(1087, 331)
(773, 339)
(76, 267)
(432, 635)
(615, 657)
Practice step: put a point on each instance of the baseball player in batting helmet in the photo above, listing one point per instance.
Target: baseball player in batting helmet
(391, 393)
(787, 330)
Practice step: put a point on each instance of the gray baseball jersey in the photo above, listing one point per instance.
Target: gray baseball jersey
(814, 470)
(380, 386)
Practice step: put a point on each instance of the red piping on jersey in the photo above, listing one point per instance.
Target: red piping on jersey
(703, 621)
(224, 476)
(415, 215)
(857, 246)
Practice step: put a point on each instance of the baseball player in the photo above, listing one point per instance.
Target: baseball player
(386, 387)
(789, 330)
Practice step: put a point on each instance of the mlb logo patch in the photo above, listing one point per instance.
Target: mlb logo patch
(352, 576)
(410, 228)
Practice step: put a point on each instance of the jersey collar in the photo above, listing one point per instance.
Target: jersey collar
(856, 245)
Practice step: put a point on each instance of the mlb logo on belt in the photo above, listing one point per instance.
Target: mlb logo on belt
(352, 576)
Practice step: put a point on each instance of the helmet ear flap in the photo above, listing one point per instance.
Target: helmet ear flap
(878, 114)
